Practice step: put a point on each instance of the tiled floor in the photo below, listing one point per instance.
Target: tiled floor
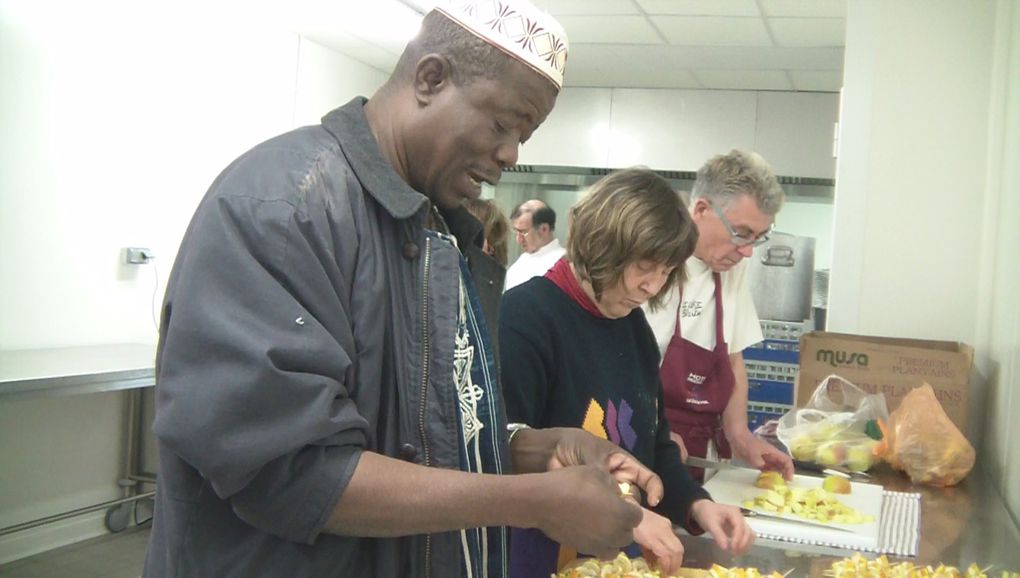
(112, 556)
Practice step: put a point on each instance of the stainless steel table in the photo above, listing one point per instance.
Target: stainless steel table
(75, 370)
(959, 525)
(129, 367)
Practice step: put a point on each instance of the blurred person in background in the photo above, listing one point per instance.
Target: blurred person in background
(704, 324)
(577, 352)
(495, 227)
(534, 223)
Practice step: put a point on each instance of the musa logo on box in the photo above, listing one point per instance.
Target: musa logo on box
(836, 358)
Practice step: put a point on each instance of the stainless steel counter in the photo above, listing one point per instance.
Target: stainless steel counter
(75, 370)
(959, 525)
(129, 367)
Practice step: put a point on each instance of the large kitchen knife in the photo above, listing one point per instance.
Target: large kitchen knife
(797, 464)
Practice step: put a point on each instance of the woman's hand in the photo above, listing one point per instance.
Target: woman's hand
(725, 523)
(659, 544)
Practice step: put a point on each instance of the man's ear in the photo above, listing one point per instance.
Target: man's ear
(700, 208)
(432, 74)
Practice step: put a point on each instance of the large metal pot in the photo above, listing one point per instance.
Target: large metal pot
(780, 274)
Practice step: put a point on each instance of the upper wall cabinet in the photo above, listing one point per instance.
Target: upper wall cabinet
(678, 129)
(681, 129)
(794, 132)
(576, 133)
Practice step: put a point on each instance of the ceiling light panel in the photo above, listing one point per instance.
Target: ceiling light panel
(713, 31)
(701, 7)
(808, 31)
(586, 7)
(604, 30)
(804, 8)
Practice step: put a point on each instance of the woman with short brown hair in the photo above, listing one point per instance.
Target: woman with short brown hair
(576, 351)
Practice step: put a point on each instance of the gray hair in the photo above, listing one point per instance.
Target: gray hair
(724, 177)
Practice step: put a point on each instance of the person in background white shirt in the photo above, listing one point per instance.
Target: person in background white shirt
(703, 326)
(533, 223)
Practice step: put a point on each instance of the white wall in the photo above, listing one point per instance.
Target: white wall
(926, 211)
(116, 118)
(998, 317)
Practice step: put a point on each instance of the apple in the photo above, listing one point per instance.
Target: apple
(859, 458)
(831, 454)
(836, 485)
(769, 480)
(803, 448)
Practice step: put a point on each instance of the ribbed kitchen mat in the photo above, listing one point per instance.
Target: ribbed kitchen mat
(898, 535)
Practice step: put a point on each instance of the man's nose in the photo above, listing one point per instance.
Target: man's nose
(506, 155)
(746, 250)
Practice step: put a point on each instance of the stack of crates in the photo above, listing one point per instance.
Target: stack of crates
(772, 369)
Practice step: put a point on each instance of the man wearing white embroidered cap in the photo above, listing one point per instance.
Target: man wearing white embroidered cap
(325, 394)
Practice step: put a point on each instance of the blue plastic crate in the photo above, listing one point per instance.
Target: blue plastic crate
(759, 413)
(784, 330)
(769, 391)
(774, 351)
(771, 371)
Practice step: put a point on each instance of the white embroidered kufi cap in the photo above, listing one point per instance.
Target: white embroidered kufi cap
(518, 28)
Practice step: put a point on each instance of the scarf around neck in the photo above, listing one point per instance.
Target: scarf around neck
(563, 277)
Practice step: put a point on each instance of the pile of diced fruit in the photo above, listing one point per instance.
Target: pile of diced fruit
(860, 567)
(624, 567)
(819, 504)
(855, 567)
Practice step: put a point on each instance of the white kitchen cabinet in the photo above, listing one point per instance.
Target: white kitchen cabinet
(794, 132)
(576, 133)
(678, 129)
(670, 129)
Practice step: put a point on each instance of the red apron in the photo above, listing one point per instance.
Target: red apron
(697, 384)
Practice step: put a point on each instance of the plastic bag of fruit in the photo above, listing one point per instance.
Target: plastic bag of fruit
(922, 441)
(832, 429)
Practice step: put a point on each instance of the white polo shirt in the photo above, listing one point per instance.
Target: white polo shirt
(741, 327)
(535, 264)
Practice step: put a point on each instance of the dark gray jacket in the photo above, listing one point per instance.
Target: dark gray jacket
(307, 319)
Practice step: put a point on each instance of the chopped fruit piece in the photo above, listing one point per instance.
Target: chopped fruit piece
(769, 480)
(818, 504)
(860, 567)
(836, 485)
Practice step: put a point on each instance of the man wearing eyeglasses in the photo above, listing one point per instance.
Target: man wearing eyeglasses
(703, 327)
(533, 222)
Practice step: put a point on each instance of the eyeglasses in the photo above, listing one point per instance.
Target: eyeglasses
(524, 233)
(738, 239)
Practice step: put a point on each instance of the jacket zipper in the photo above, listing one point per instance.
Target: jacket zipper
(423, 396)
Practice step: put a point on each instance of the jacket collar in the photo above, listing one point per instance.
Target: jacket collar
(350, 128)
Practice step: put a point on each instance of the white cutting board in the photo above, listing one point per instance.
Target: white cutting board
(734, 486)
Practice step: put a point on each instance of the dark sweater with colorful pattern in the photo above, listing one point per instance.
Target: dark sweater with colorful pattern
(563, 367)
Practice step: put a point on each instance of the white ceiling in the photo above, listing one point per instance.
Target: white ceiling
(699, 44)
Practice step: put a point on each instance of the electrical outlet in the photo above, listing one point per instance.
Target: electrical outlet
(137, 255)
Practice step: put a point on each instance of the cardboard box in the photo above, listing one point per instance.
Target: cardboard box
(889, 366)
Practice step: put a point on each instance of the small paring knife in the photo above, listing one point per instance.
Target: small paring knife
(748, 513)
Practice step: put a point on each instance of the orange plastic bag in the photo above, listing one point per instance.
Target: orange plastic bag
(921, 440)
